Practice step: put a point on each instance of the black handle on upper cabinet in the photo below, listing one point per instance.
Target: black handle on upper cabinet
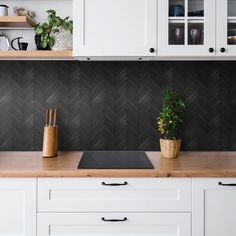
(114, 220)
(211, 50)
(222, 50)
(151, 50)
(114, 184)
(221, 184)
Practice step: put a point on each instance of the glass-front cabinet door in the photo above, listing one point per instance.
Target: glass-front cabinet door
(226, 27)
(186, 27)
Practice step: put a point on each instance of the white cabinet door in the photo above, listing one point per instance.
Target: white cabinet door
(89, 224)
(226, 27)
(186, 27)
(214, 207)
(100, 195)
(17, 207)
(114, 28)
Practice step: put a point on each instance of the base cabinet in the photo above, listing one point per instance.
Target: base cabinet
(207, 207)
(17, 207)
(214, 207)
(110, 224)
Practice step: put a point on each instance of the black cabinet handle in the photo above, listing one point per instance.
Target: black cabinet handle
(220, 183)
(114, 220)
(211, 50)
(222, 50)
(114, 184)
(151, 50)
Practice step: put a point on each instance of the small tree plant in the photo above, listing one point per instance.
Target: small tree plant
(172, 114)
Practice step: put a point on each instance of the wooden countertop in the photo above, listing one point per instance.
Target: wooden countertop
(189, 164)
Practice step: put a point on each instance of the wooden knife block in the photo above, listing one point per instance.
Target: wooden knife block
(50, 136)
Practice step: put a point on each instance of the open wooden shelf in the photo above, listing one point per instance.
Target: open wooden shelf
(16, 21)
(36, 55)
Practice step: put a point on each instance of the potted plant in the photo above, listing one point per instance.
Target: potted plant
(55, 33)
(168, 121)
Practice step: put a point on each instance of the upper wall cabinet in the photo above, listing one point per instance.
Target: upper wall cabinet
(226, 27)
(115, 28)
(186, 27)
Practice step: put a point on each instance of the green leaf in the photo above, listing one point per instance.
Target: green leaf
(55, 30)
(44, 44)
(67, 26)
(45, 25)
(52, 12)
(51, 42)
(38, 30)
(55, 21)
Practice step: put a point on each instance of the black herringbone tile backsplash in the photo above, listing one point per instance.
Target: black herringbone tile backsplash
(113, 105)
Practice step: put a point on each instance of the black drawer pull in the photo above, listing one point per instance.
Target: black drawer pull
(114, 184)
(226, 184)
(114, 220)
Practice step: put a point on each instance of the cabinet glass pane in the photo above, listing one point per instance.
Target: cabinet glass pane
(231, 33)
(176, 8)
(196, 8)
(231, 7)
(195, 33)
(176, 33)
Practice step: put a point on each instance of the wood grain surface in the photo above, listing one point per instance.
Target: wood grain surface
(189, 164)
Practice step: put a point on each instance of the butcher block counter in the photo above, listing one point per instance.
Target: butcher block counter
(189, 164)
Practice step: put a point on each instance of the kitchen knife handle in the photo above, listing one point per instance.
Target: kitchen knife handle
(114, 220)
(220, 183)
(115, 184)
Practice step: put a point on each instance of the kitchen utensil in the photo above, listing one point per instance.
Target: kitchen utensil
(50, 134)
(3, 10)
(4, 43)
(21, 45)
(50, 117)
(176, 10)
(55, 117)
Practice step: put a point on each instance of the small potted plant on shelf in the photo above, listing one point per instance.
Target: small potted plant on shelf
(55, 33)
(168, 121)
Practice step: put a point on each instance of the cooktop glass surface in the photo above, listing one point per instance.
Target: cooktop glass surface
(115, 160)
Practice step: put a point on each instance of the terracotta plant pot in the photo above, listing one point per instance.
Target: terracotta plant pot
(170, 148)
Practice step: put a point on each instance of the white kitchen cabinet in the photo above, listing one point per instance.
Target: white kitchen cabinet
(114, 195)
(18, 207)
(226, 27)
(186, 27)
(115, 28)
(214, 207)
(124, 224)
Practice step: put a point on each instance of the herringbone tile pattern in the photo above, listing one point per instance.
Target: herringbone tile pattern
(113, 105)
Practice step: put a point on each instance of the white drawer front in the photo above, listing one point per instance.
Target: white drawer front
(89, 195)
(90, 224)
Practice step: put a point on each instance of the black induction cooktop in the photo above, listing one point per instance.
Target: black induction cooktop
(115, 160)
